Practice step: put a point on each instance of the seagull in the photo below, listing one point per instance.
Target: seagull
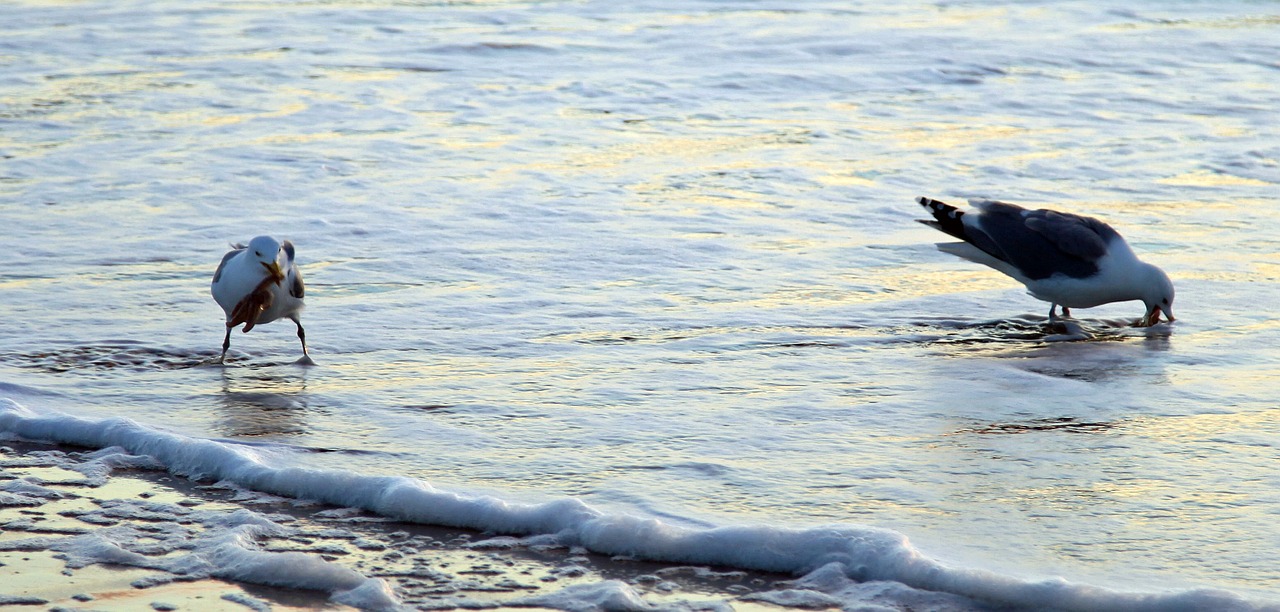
(1067, 260)
(259, 283)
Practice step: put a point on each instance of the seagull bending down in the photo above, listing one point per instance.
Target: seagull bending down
(1064, 259)
(259, 283)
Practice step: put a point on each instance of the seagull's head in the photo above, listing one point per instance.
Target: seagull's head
(266, 251)
(1157, 295)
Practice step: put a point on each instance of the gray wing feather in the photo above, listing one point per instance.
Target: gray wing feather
(1083, 237)
(296, 288)
(217, 274)
(1040, 243)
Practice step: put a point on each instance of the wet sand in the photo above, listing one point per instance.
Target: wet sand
(426, 567)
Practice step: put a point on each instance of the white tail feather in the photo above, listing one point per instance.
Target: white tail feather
(964, 250)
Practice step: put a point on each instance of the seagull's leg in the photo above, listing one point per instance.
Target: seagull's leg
(226, 344)
(1066, 312)
(302, 335)
(1053, 312)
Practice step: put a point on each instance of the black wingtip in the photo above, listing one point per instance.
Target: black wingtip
(947, 217)
(934, 205)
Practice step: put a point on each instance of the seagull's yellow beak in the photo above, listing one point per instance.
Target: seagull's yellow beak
(273, 269)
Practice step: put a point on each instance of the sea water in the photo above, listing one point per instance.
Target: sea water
(656, 260)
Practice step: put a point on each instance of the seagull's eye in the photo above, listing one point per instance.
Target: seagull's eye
(257, 253)
(1166, 301)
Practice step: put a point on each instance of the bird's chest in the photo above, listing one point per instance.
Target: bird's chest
(235, 284)
(1081, 292)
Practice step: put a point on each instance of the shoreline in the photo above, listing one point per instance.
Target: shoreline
(424, 567)
(79, 526)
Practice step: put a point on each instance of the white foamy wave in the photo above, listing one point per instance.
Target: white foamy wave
(836, 562)
(225, 547)
(608, 595)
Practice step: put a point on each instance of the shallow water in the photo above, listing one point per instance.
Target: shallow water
(660, 256)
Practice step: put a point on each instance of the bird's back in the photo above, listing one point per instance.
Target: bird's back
(1041, 243)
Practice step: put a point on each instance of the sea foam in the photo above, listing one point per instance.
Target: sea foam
(832, 560)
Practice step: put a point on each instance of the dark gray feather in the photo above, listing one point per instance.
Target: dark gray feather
(1041, 243)
(296, 289)
(225, 258)
(1083, 237)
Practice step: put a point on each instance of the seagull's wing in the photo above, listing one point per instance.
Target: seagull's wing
(1076, 235)
(217, 274)
(296, 288)
(1040, 243)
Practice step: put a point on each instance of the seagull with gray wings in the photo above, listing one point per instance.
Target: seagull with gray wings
(257, 284)
(1067, 260)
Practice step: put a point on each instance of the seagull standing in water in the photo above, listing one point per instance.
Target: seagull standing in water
(1064, 259)
(257, 284)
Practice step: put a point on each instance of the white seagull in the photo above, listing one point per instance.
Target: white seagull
(259, 284)
(1064, 259)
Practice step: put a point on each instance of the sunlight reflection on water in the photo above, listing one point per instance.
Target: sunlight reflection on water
(663, 257)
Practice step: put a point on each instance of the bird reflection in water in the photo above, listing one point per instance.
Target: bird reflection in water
(254, 403)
